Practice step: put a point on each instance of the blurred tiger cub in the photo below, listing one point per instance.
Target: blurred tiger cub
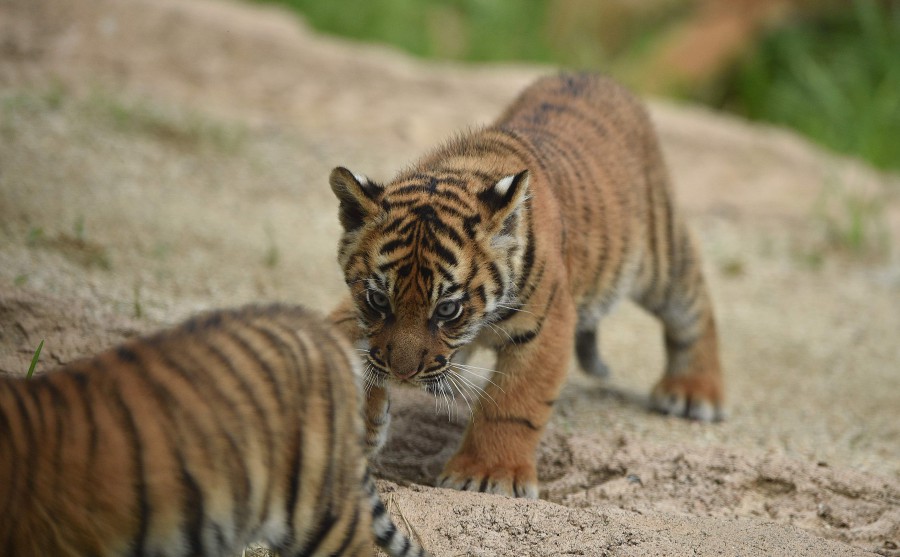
(234, 427)
(521, 236)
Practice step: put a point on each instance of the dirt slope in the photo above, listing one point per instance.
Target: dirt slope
(158, 157)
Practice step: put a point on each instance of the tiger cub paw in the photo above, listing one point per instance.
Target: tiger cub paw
(689, 396)
(468, 474)
(376, 435)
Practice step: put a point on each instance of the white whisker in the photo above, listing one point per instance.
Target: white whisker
(477, 392)
(455, 384)
(443, 383)
(480, 391)
(515, 309)
(470, 367)
(488, 379)
(495, 329)
(367, 380)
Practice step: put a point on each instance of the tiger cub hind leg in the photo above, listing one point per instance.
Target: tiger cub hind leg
(691, 386)
(588, 352)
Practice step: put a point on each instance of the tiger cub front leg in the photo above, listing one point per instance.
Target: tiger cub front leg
(497, 454)
(377, 403)
(377, 413)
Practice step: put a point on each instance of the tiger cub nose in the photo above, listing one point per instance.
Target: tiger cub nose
(406, 362)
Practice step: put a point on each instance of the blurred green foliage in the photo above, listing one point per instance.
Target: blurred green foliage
(461, 29)
(831, 70)
(571, 33)
(835, 78)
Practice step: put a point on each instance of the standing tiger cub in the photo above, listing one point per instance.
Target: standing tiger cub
(521, 236)
(235, 427)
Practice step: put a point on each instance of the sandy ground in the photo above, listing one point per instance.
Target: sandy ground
(158, 157)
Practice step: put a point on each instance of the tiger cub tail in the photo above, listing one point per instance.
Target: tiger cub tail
(388, 537)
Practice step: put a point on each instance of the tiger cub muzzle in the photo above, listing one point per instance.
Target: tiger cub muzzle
(407, 359)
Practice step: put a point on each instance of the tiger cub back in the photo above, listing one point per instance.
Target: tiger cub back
(234, 427)
(521, 236)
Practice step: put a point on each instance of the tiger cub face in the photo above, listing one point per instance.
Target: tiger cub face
(430, 259)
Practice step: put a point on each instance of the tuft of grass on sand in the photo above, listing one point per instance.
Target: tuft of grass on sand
(853, 222)
(182, 128)
(732, 266)
(78, 228)
(849, 223)
(74, 247)
(34, 360)
(18, 107)
(273, 255)
(137, 305)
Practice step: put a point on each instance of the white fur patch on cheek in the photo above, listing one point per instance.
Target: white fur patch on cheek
(502, 186)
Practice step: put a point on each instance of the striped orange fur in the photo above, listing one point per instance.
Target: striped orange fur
(521, 236)
(235, 427)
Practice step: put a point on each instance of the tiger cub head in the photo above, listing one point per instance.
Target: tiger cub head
(430, 259)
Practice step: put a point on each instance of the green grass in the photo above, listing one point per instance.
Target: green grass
(187, 129)
(137, 306)
(835, 79)
(475, 30)
(853, 222)
(273, 255)
(34, 360)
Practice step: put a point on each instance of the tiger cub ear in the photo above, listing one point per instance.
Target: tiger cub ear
(358, 196)
(505, 198)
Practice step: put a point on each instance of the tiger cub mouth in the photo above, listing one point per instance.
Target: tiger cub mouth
(428, 379)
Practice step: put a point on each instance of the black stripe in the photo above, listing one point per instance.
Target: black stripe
(296, 470)
(83, 387)
(237, 465)
(469, 224)
(392, 246)
(524, 143)
(680, 345)
(670, 236)
(525, 422)
(528, 261)
(297, 439)
(250, 350)
(7, 437)
(349, 530)
(178, 416)
(60, 411)
(35, 394)
(654, 240)
(140, 480)
(525, 338)
(193, 509)
(27, 455)
(444, 253)
(416, 207)
(326, 495)
(533, 286)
